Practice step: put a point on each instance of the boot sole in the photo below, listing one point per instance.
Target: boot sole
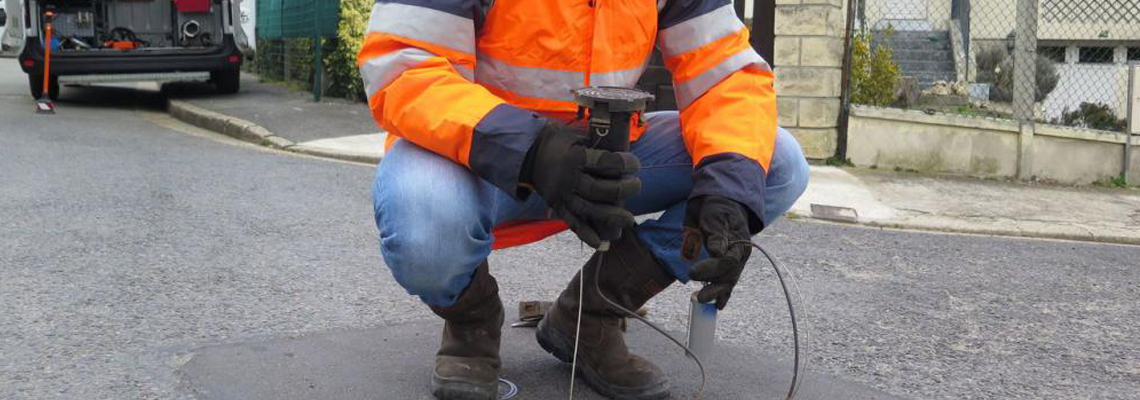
(452, 389)
(562, 348)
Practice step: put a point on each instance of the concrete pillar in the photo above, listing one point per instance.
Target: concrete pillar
(1025, 84)
(1133, 121)
(808, 56)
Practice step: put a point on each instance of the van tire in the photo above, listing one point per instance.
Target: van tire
(226, 81)
(36, 86)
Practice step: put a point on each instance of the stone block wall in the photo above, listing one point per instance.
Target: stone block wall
(809, 62)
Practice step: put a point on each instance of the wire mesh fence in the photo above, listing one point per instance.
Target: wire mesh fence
(289, 60)
(1045, 61)
(292, 36)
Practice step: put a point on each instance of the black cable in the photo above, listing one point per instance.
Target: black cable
(799, 364)
(598, 288)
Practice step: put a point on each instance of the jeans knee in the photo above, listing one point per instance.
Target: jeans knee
(433, 256)
(434, 267)
(433, 229)
(787, 179)
(799, 176)
(793, 165)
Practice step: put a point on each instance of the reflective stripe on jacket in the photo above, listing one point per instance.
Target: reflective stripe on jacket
(472, 80)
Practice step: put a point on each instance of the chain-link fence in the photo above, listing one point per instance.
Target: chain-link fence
(288, 32)
(1048, 61)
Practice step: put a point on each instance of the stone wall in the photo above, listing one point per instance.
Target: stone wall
(809, 60)
(944, 143)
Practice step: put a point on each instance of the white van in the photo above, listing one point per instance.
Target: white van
(3, 24)
(127, 38)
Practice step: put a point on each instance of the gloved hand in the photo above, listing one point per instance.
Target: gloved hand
(718, 222)
(583, 186)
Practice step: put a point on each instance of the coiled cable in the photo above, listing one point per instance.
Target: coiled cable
(791, 294)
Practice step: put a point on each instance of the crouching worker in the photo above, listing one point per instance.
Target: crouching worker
(476, 98)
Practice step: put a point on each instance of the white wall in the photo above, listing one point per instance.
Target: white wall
(944, 143)
(1093, 83)
(992, 19)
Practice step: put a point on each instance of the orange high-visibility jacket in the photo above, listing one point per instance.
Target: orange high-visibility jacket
(474, 80)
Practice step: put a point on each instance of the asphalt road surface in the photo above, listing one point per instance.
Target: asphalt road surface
(129, 240)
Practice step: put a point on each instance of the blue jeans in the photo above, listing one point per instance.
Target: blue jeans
(435, 217)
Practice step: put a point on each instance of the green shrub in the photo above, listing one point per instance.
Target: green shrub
(988, 59)
(874, 74)
(1046, 80)
(1113, 182)
(1093, 116)
(835, 161)
(340, 63)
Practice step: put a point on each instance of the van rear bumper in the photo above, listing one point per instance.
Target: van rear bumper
(226, 57)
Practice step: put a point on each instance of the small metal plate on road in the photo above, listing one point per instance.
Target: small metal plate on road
(834, 213)
(533, 310)
(530, 312)
(395, 362)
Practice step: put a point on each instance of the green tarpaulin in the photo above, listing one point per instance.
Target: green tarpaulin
(297, 18)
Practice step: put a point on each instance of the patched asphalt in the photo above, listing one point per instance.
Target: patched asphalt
(394, 362)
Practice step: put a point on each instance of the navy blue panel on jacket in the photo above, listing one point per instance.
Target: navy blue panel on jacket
(735, 177)
(500, 143)
(462, 8)
(678, 11)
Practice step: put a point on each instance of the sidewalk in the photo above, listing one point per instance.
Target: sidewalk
(289, 118)
(275, 116)
(969, 205)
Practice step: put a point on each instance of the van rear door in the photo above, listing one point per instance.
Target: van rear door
(12, 39)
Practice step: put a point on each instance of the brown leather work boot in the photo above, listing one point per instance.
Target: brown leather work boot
(630, 276)
(467, 363)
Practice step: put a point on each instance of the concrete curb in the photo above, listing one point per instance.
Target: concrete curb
(319, 152)
(984, 231)
(250, 132)
(247, 131)
(230, 126)
(1092, 237)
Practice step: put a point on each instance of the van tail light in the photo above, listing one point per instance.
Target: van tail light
(234, 59)
(29, 63)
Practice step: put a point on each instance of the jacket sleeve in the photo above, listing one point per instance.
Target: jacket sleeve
(417, 62)
(727, 100)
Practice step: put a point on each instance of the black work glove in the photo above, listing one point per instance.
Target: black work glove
(583, 186)
(721, 224)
